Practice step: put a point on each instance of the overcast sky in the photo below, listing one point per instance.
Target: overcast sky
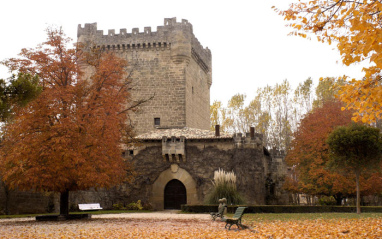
(248, 40)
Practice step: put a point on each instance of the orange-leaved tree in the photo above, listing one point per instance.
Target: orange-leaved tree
(356, 27)
(69, 138)
(309, 154)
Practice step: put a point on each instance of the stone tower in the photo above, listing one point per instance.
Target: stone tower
(169, 65)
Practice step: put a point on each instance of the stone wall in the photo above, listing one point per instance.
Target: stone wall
(202, 158)
(169, 65)
(19, 202)
(259, 176)
(275, 180)
(197, 96)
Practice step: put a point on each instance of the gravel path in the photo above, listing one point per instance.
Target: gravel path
(168, 214)
(163, 224)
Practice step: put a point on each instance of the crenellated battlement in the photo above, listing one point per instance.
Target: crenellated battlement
(169, 23)
(275, 153)
(249, 141)
(173, 149)
(175, 36)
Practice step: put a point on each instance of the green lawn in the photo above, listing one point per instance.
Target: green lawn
(305, 216)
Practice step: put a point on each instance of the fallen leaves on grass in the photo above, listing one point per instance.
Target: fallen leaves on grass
(178, 228)
(320, 228)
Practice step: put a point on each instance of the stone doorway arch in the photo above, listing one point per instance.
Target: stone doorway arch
(175, 194)
(174, 172)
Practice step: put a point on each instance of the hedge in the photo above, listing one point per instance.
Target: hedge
(279, 209)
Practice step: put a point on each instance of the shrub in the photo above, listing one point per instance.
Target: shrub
(224, 187)
(118, 206)
(50, 208)
(147, 206)
(325, 200)
(134, 206)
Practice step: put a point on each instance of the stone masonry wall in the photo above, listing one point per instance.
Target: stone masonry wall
(168, 65)
(20, 202)
(197, 96)
(202, 158)
(259, 176)
(155, 76)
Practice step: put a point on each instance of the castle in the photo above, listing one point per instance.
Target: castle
(169, 65)
(177, 154)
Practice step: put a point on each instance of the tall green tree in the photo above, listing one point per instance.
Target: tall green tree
(355, 148)
(17, 92)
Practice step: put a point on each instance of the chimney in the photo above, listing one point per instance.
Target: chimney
(252, 132)
(217, 130)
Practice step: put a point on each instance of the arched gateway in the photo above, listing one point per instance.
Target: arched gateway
(174, 194)
(173, 184)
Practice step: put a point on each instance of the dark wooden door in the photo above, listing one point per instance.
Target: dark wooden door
(174, 194)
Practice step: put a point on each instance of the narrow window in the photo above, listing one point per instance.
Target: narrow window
(156, 121)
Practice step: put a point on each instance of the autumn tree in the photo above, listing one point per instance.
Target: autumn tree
(270, 112)
(258, 117)
(356, 27)
(355, 148)
(219, 116)
(235, 112)
(302, 100)
(309, 154)
(275, 111)
(215, 118)
(69, 138)
(281, 105)
(325, 91)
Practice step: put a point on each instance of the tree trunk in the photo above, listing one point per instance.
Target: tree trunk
(358, 192)
(338, 197)
(64, 204)
(7, 195)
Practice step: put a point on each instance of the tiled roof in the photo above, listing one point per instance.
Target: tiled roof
(189, 133)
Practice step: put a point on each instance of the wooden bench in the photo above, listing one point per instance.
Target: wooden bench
(89, 207)
(236, 219)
